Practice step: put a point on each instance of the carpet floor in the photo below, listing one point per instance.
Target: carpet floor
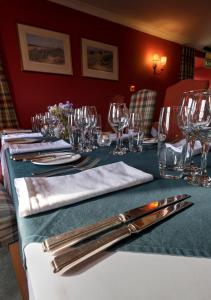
(8, 285)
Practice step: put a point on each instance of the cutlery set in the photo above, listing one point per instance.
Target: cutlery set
(128, 223)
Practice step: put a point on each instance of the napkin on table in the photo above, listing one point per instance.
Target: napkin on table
(38, 194)
(23, 148)
(10, 137)
(197, 146)
(21, 135)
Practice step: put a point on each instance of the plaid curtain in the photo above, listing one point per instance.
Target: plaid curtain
(187, 63)
(143, 102)
(8, 117)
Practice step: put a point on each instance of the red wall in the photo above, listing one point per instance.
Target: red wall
(201, 72)
(32, 91)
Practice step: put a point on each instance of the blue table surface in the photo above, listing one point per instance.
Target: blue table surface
(187, 233)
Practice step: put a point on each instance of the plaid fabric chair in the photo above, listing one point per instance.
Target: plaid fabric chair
(8, 226)
(143, 102)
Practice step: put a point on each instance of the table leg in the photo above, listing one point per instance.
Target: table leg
(19, 270)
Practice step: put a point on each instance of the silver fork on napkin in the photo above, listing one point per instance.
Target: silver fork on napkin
(69, 168)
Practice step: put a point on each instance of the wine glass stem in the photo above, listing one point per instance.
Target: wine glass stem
(191, 142)
(118, 140)
(205, 150)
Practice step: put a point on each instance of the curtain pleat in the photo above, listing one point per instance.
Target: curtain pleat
(187, 63)
(8, 117)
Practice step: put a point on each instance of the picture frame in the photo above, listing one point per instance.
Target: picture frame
(99, 60)
(44, 50)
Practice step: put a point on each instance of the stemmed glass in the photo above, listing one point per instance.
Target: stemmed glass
(183, 121)
(135, 131)
(82, 120)
(118, 119)
(200, 120)
(92, 125)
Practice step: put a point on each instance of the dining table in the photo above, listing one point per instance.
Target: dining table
(169, 261)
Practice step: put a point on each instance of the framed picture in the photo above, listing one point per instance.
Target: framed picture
(44, 50)
(99, 60)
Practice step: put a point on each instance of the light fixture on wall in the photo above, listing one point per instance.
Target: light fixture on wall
(158, 62)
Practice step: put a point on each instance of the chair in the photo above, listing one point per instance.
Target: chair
(174, 92)
(143, 101)
(8, 226)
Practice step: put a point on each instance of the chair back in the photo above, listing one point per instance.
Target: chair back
(174, 92)
(8, 228)
(143, 101)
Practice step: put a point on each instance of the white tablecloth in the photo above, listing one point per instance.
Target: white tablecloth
(121, 276)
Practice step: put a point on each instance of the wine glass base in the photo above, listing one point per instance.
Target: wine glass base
(199, 180)
(119, 151)
(191, 170)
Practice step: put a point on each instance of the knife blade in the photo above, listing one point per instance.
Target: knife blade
(73, 256)
(30, 155)
(53, 158)
(67, 239)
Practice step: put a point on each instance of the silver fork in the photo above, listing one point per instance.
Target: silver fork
(70, 168)
(79, 164)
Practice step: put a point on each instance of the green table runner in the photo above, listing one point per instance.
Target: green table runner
(187, 233)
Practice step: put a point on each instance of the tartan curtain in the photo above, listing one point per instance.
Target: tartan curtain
(8, 117)
(187, 63)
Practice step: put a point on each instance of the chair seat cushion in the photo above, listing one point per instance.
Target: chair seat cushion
(8, 225)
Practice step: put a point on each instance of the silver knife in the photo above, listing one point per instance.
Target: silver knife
(30, 155)
(73, 256)
(67, 239)
(52, 158)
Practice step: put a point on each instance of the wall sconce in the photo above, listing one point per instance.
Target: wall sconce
(158, 61)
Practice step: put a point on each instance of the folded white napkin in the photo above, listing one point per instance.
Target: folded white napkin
(38, 194)
(15, 130)
(21, 135)
(112, 136)
(23, 148)
(197, 146)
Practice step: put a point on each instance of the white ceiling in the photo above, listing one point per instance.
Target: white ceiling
(183, 21)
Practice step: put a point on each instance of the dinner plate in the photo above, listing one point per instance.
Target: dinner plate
(57, 159)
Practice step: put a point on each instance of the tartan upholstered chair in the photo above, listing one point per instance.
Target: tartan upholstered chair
(143, 101)
(8, 226)
(174, 92)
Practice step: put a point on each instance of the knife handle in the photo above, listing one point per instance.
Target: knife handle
(73, 256)
(77, 235)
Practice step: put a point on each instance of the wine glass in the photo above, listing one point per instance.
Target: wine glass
(183, 121)
(118, 119)
(93, 121)
(135, 131)
(200, 120)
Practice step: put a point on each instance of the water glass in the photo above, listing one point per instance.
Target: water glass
(103, 140)
(172, 148)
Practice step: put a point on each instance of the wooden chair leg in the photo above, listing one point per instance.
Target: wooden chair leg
(19, 270)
